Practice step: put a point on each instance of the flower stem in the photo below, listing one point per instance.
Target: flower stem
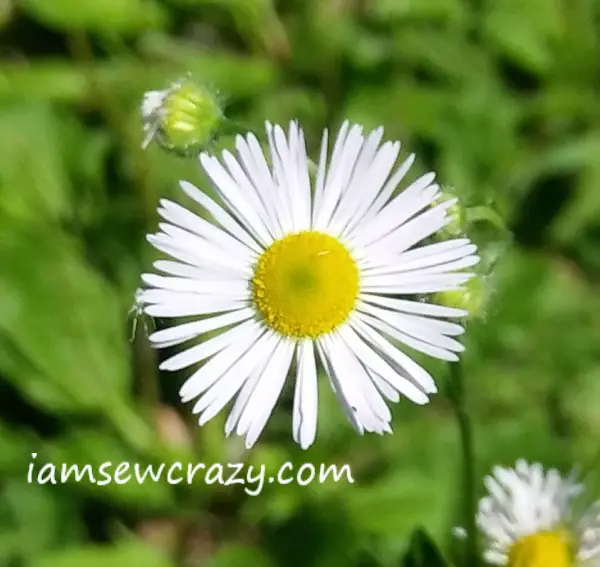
(456, 394)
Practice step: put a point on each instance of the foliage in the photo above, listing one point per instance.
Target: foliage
(501, 97)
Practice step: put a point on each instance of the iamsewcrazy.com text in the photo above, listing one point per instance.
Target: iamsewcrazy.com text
(251, 477)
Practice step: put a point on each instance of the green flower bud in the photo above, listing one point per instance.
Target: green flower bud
(457, 225)
(472, 297)
(183, 118)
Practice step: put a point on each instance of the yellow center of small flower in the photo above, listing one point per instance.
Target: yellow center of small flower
(543, 549)
(305, 284)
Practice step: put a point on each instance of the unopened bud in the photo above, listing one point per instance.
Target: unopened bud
(456, 212)
(183, 118)
(471, 297)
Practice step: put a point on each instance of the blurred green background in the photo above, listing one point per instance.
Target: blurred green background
(501, 97)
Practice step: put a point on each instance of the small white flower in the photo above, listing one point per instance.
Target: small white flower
(295, 271)
(529, 520)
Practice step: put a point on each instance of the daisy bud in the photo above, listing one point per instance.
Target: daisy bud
(471, 297)
(456, 212)
(183, 118)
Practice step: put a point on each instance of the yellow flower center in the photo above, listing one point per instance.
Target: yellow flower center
(543, 549)
(305, 284)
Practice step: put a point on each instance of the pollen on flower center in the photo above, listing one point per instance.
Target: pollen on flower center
(543, 549)
(305, 284)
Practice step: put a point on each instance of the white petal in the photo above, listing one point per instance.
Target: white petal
(338, 177)
(370, 393)
(220, 215)
(187, 305)
(249, 386)
(294, 173)
(401, 209)
(206, 349)
(304, 181)
(266, 393)
(284, 205)
(212, 370)
(454, 266)
(373, 179)
(244, 207)
(222, 391)
(256, 197)
(425, 325)
(353, 384)
(172, 298)
(187, 220)
(305, 396)
(415, 282)
(425, 258)
(169, 248)
(432, 347)
(200, 254)
(414, 382)
(325, 356)
(320, 180)
(406, 235)
(152, 101)
(385, 389)
(389, 188)
(186, 271)
(417, 307)
(209, 249)
(589, 535)
(181, 333)
(262, 180)
(495, 557)
(242, 399)
(232, 287)
(356, 187)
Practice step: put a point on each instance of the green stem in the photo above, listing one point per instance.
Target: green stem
(456, 394)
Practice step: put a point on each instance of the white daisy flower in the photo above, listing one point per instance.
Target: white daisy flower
(296, 272)
(529, 520)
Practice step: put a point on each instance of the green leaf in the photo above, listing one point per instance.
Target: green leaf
(122, 555)
(33, 518)
(43, 80)
(448, 55)
(34, 184)
(234, 555)
(451, 10)
(524, 31)
(406, 106)
(63, 324)
(422, 552)
(98, 15)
